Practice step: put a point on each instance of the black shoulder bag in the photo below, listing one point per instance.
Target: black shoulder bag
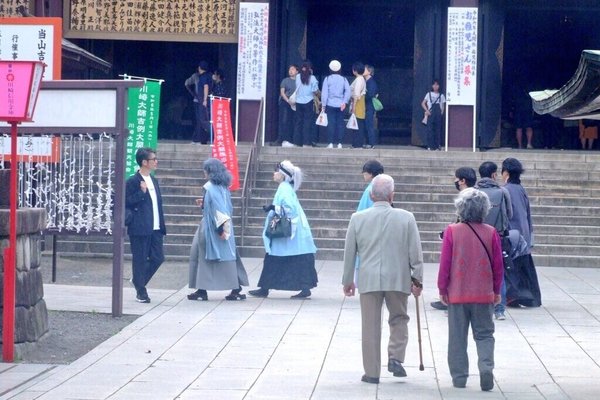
(481, 241)
(280, 226)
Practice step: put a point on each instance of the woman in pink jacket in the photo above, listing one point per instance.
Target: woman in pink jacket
(469, 281)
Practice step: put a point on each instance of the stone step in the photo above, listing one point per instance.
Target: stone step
(443, 184)
(343, 172)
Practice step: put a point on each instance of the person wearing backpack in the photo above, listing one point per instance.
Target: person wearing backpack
(499, 215)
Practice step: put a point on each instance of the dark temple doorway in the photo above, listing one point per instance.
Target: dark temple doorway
(543, 41)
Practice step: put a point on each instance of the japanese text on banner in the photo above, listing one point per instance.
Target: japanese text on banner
(223, 145)
(253, 38)
(461, 66)
(142, 121)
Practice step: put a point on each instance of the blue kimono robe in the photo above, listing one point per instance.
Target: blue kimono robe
(217, 198)
(301, 241)
(365, 201)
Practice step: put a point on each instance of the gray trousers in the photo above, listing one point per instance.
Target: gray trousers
(479, 316)
(371, 304)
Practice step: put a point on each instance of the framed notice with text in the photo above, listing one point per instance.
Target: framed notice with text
(161, 20)
(33, 39)
(253, 40)
(461, 59)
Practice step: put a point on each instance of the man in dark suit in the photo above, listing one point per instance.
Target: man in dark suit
(145, 222)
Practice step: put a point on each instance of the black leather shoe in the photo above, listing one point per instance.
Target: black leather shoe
(259, 292)
(142, 298)
(486, 380)
(198, 294)
(395, 367)
(304, 294)
(368, 379)
(438, 305)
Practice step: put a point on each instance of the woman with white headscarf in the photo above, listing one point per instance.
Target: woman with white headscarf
(289, 261)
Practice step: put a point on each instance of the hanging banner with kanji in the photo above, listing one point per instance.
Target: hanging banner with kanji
(253, 40)
(142, 121)
(223, 144)
(461, 59)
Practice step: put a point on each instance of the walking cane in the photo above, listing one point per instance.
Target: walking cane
(421, 367)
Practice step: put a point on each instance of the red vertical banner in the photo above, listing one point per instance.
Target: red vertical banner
(223, 144)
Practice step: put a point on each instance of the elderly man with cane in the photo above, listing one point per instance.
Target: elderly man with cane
(391, 268)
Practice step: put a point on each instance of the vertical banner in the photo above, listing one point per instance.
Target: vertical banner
(253, 38)
(223, 145)
(461, 64)
(33, 39)
(142, 121)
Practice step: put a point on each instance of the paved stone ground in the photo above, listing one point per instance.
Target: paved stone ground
(278, 348)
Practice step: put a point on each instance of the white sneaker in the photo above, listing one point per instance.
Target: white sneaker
(330, 146)
(285, 143)
(339, 145)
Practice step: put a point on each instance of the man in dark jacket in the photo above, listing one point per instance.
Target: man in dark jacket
(499, 215)
(145, 222)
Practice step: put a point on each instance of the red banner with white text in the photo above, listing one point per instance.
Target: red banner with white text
(223, 144)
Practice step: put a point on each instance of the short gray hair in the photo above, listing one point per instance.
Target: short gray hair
(382, 188)
(472, 205)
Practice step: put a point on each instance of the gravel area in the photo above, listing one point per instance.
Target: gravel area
(73, 334)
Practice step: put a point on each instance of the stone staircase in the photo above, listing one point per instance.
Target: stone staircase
(564, 190)
(181, 178)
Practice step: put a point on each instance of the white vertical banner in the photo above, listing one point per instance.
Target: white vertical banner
(461, 64)
(253, 40)
(29, 43)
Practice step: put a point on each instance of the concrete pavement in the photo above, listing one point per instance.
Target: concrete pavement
(278, 348)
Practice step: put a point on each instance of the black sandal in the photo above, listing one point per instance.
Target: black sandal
(236, 295)
(198, 294)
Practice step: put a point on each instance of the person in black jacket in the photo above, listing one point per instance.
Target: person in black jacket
(145, 222)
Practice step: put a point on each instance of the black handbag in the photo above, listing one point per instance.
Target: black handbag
(280, 226)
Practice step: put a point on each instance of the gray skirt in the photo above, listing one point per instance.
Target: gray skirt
(213, 275)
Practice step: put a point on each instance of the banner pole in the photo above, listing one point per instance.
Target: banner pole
(237, 118)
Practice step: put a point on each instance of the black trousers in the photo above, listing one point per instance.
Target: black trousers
(434, 128)
(201, 130)
(305, 119)
(147, 256)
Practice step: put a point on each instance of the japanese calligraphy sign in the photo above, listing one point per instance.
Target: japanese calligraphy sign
(168, 20)
(33, 39)
(10, 8)
(253, 38)
(32, 149)
(142, 121)
(223, 145)
(461, 64)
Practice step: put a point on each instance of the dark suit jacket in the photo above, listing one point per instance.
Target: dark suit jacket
(139, 204)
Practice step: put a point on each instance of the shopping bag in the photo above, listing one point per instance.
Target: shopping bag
(377, 105)
(322, 119)
(352, 122)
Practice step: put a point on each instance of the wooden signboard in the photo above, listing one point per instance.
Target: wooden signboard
(162, 20)
(10, 8)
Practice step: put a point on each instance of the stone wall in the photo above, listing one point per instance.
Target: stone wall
(31, 315)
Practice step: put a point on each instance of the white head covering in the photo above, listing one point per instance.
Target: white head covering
(291, 173)
(335, 65)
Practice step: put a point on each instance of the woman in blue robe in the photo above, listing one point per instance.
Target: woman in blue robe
(214, 260)
(289, 261)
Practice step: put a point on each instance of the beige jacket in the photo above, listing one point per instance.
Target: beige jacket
(389, 246)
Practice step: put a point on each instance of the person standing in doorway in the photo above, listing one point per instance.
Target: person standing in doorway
(306, 87)
(523, 115)
(588, 132)
(372, 92)
(391, 268)
(434, 105)
(287, 109)
(335, 96)
(198, 85)
(358, 106)
(218, 84)
(145, 222)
